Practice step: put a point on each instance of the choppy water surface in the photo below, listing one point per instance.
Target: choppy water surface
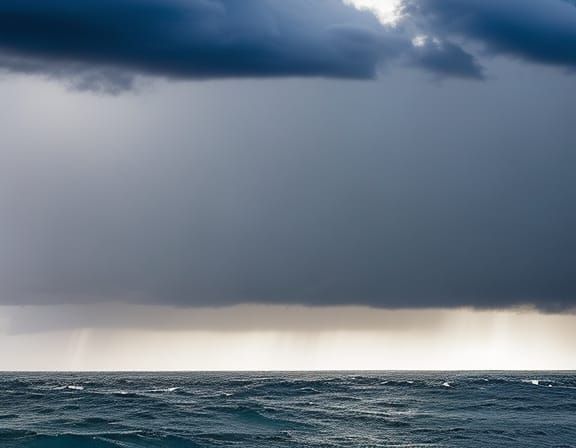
(288, 410)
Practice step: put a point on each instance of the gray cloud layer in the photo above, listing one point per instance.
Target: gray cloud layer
(312, 193)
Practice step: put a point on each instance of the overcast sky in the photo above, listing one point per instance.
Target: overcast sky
(209, 153)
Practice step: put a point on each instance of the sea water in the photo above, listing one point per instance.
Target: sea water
(265, 410)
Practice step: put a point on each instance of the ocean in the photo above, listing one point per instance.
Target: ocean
(266, 410)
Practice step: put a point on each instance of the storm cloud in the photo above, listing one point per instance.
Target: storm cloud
(540, 31)
(193, 39)
(104, 44)
(100, 44)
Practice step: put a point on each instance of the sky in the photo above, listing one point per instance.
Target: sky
(313, 184)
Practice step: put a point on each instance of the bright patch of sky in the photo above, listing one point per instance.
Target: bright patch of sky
(387, 11)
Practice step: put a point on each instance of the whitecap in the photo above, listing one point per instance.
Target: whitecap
(446, 384)
(168, 389)
(75, 387)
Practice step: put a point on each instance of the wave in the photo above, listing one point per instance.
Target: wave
(8, 416)
(15, 434)
(539, 383)
(286, 410)
(255, 416)
(162, 390)
(398, 383)
(69, 387)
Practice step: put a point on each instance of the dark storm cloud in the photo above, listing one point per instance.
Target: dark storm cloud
(540, 31)
(191, 38)
(445, 58)
(99, 44)
(89, 43)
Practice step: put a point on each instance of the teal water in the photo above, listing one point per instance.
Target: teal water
(263, 410)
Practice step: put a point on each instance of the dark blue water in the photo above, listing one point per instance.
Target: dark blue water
(288, 410)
